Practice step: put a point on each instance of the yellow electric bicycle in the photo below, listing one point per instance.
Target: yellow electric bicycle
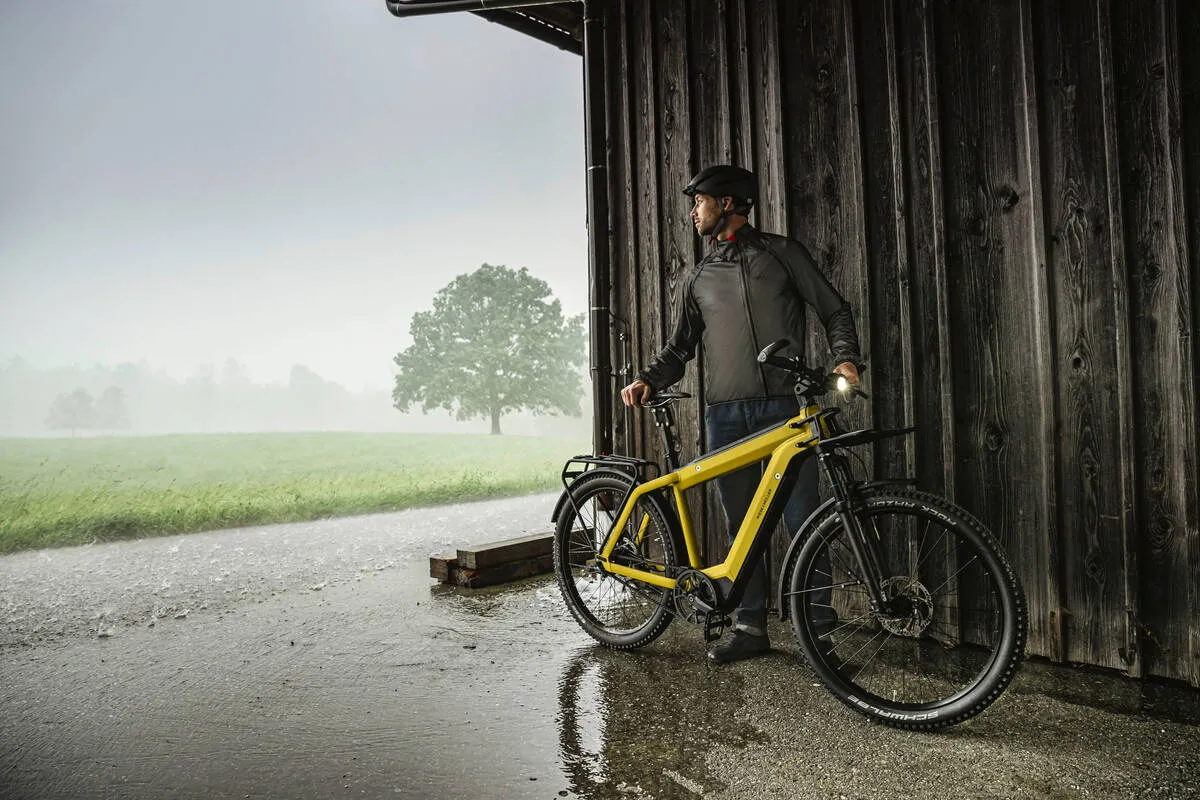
(903, 603)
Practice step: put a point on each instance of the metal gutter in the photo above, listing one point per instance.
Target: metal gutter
(539, 29)
(411, 8)
(599, 266)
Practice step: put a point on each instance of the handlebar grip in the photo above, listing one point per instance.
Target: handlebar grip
(770, 350)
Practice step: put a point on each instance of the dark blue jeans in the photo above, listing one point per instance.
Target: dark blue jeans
(728, 422)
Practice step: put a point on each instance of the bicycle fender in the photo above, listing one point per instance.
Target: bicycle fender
(793, 547)
(565, 497)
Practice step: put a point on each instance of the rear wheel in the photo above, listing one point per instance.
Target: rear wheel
(616, 611)
(951, 638)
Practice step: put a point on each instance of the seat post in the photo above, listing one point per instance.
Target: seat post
(664, 420)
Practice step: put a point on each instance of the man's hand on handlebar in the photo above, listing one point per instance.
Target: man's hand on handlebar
(849, 371)
(637, 393)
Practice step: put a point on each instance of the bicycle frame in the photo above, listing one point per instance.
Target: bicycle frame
(781, 445)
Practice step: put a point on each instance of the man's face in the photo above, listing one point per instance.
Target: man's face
(706, 213)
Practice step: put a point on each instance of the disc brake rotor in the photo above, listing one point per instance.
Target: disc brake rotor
(918, 613)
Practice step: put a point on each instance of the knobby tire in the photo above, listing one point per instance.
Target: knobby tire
(617, 612)
(950, 645)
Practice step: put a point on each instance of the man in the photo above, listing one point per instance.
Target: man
(748, 291)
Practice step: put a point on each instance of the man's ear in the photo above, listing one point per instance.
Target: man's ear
(727, 203)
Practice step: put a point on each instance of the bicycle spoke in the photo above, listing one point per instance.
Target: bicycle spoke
(614, 609)
(872, 658)
(956, 574)
(937, 635)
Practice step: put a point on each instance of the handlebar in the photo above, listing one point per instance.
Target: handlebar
(809, 382)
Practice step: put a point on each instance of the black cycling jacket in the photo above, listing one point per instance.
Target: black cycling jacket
(744, 294)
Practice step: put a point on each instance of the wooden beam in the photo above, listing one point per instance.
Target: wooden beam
(491, 554)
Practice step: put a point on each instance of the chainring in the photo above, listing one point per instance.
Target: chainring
(696, 597)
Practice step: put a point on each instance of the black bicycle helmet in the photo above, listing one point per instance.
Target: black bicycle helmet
(724, 180)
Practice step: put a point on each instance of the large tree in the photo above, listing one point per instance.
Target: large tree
(495, 342)
(71, 411)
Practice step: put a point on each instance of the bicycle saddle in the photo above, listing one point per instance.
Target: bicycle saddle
(665, 398)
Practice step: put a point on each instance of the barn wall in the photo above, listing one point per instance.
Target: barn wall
(1008, 192)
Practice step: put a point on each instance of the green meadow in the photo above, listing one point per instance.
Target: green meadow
(56, 492)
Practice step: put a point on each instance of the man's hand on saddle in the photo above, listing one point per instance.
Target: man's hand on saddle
(637, 393)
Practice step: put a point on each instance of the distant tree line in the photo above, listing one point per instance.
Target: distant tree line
(74, 410)
(141, 399)
(137, 398)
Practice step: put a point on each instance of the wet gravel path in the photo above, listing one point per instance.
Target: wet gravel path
(101, 590)
(319, 660)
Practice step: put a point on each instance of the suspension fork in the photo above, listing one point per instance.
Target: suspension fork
(864, 546)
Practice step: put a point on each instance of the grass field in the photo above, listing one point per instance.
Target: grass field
(57, 492)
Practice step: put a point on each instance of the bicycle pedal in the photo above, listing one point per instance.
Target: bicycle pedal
(714, 625)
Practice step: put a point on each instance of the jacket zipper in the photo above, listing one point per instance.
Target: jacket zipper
(738, 254)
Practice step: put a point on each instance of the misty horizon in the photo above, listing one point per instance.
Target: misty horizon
(188, 184)
(227, 400)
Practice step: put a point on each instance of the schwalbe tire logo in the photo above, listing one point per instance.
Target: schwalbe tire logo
(897, 715)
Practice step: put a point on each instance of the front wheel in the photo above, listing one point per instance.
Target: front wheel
(616, 611)
(952, 634)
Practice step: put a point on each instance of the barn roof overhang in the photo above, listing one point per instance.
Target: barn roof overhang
(556, 22)
(569, 26)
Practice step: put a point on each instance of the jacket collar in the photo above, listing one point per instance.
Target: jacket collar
(745, 235)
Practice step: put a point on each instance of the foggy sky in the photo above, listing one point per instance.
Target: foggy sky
(279, 183)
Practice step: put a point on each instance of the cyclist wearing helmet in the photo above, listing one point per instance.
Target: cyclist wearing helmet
(749, 290)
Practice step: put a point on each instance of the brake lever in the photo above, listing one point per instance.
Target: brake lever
(851, 388)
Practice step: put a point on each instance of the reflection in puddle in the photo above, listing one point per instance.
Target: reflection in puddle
(641, 724)
(582, 724)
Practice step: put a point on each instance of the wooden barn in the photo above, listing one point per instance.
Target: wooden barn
(1008, 193)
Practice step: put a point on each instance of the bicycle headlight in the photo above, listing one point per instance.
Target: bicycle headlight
(842, 383)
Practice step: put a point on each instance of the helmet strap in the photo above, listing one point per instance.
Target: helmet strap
(721, 222)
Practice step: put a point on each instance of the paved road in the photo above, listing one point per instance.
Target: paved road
(319, 660)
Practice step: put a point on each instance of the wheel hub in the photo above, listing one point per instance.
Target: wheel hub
(911, 609)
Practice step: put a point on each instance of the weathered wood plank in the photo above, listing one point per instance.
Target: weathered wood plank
(645, 209)
(626, 303)
(823, 166)
(442, 566)
(741, 143)
(1188, 22)
(766, 115)
(766, 119)
(712, 135)
(886, 251)
(1147, 68)
(1094, 414)
(742, 131)
(489, 554)
(998, 308)
(497, 574)
(932, 345)
(822, 145)
(1039, 332)
(709, 61)
(677, 166)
